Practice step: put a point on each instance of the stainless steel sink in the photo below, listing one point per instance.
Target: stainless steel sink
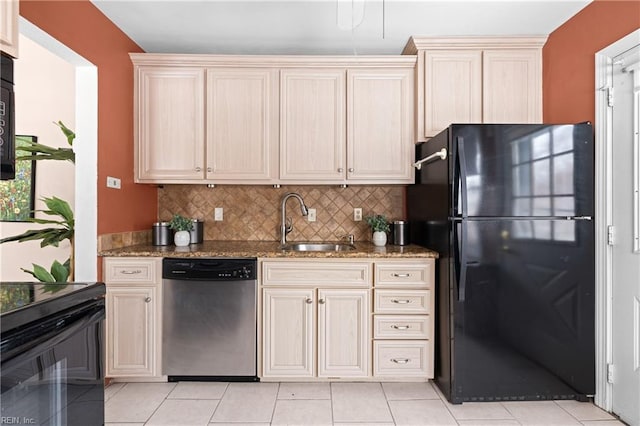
(318, 247)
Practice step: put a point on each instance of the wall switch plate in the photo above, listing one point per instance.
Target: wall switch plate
(113, 182)
(218, 214)
(311, 217)
(357, 214)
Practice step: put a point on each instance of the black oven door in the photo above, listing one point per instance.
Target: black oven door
(54, 373)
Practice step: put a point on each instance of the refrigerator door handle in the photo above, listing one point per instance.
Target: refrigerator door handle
(578, 217)
(461, 178)
(461, 260)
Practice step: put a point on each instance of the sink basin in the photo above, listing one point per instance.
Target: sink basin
(318, 247)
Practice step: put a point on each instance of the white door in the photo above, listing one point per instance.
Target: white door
(626, 247)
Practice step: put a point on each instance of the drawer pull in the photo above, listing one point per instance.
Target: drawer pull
(400, 360)
(401, 301)
(401, 275)
(132, 272)
(400, 327)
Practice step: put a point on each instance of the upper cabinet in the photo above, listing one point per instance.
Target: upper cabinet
(380, 146)
(274, 119)
(9, 27)
(312, 124)
(242, 124)
(476, 80)
(169, 124)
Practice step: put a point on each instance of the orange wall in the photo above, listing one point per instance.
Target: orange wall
(83, 28)
(569, 58)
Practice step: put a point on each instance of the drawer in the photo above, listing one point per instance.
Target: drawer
(139, 271)
(402, 302)
(403, 358)
(404, 274)
(316, 272)
(402, 327)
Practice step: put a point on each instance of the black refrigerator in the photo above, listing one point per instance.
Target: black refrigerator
(510, 210)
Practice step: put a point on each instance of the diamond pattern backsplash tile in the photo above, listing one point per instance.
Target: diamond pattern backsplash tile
(252, 213)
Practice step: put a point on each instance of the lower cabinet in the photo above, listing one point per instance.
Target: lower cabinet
(133, 317)
(403, 317)
(290, 320)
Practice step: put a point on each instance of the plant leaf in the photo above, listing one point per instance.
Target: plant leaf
(59, 272)
(67, 132)
(42, 274)
(58, 207)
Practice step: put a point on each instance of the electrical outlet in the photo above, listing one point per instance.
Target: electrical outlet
(357, 214)
(113, 182)
(218, 214)
(311, 217)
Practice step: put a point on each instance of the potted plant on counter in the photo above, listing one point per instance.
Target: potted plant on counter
(380, 227)
(182, 226)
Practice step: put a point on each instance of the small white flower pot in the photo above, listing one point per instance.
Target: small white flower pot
(181, 238)
(379, 238)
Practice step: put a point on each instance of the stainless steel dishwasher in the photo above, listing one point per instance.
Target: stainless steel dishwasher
(209, 329)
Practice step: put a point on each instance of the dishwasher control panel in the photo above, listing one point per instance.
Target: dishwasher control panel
(209, 269)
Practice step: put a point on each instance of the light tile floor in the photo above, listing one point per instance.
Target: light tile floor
(339, 403)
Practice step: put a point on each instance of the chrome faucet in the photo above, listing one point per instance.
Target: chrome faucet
(286, 225)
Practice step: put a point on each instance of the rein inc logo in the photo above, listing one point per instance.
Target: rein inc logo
(14, 420)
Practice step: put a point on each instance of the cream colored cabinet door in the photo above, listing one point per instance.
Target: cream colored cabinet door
(380, 145)
(512, 86)
(452, 89)
(170, 137)
(131, 321)
(9, 27)
(242, 124)
(288, 332)
(343, 333)
(312, 125)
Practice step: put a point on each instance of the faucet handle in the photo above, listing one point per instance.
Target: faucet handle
(350, 238)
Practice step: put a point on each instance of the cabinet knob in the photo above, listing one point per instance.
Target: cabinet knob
(340, 169)
(322, 301)
(209, 169)
(147, 299)
(350, 169)
(309, 300)
(198, 169)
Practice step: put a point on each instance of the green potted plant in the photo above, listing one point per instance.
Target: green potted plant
(61, 224)
(380, 226)
(181, 225)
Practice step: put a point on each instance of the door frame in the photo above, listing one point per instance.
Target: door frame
(603, 213)
(85, 148)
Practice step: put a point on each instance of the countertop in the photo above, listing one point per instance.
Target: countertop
(267, 249)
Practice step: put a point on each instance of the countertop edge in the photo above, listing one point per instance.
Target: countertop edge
(268, 249)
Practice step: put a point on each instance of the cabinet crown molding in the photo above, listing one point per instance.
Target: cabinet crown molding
(276, 61)
(492, 42)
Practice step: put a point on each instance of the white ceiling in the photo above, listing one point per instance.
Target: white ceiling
(323, 26)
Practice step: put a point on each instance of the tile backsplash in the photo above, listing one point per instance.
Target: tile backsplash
(253, 212)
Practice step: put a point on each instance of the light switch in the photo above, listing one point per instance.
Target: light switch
(218, 214)
(311, 217)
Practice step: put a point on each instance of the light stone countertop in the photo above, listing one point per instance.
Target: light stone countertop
(267, 249)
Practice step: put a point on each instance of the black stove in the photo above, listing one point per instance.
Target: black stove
(51, 346)
(22, 303)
